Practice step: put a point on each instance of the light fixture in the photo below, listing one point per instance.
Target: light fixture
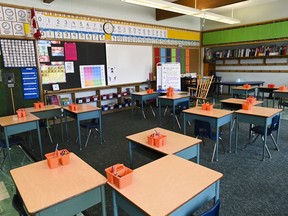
(169, 6)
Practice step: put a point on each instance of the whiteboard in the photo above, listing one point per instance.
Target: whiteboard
(128, 63)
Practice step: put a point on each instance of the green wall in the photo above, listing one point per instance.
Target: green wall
(268, 31)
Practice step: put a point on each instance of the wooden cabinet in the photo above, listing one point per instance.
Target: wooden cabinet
(209, 69)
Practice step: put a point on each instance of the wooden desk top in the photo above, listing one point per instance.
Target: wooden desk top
(266, 87)
(42, 187)
(160, 187)
(13, 119)
(279, 91)
(175, 96)
(242, 88)
(175, 142)
(83, 108)
(215, 113)
(144, 93)
(260, 111)
(45, 108)
(238, 101)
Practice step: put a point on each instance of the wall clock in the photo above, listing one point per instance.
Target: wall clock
(108, 27)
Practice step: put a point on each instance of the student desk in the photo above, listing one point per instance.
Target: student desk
(235, 103)
(172, 101)
(13, 125)
(177, 144)
(168, 186)
(215, 117)
(261, 116)
(142, 97)
(65, 190)
(84, 112)
(233, 83)
(47, 112)
(280, 94)
(242, 90)
(266, 89)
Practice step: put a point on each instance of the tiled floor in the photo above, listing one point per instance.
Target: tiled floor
(19, 159)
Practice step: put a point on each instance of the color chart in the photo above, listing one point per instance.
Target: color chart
(92, 76)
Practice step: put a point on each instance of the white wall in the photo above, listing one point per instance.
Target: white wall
(113, 9)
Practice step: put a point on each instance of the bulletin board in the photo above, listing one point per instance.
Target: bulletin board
(87, 54)
(128, 63)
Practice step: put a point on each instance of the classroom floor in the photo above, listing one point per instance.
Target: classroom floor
(7, 188)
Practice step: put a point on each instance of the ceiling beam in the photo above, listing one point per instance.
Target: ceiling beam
(200, 4)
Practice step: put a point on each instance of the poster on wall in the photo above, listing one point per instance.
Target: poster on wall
(92, 76)
(53, 74)
(30, 83)
(169, 74)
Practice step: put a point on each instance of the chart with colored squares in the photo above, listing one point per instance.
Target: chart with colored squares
(92, 76)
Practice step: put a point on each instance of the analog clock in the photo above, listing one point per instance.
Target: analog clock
(108, 27)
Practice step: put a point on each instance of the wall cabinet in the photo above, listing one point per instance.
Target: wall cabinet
(109, 98)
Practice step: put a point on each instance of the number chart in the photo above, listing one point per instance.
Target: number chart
(92, 76)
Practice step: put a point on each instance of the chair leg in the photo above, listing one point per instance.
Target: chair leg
(214, 150)
(152, 110)
(49, 134)
(25, 153)
(222, 143)
(251, 141)
(178, 122)
(266, 147)
(274, 141)
(88, 138)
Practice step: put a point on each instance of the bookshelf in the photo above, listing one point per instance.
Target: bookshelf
(109, 98)
(251, 58)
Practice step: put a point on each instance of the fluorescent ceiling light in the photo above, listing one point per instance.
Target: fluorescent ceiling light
(169, 6)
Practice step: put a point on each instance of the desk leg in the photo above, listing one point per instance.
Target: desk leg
(274, 100)
(39, 140)
(7, 146)
(198, 154)
(160, 111)
(66, 127)
(236, 133)
(100, 128)
(79, 133)
(142, 110)
(265, 141)
(131, 153)
(115, 207)
(62, 132)
(230, 132)
(103, 200)
(217, 142)
(184, 125)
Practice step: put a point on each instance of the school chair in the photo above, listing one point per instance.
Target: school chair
(45, 124)
(260, 131)
(12, 142)
(200, 92)
(17, 203)
(178, 112)
(92, 125)
(204, 129)
(213, 211)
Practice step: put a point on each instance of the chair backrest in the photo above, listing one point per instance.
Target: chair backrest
(204, 86)
(202, 89)
(214, 210)
(275, 124)
(203, 129)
